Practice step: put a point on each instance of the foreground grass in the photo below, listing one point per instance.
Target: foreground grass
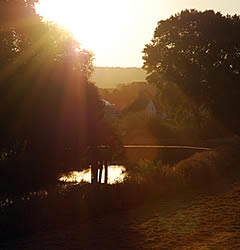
(64, 205)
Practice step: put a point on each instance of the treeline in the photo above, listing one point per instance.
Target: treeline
(126, 95)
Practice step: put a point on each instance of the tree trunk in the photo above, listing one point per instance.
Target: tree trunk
(106, 173)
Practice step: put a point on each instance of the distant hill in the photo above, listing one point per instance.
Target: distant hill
(110, 77)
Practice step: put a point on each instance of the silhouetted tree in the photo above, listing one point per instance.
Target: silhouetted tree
(37, 60)
(200, 53)
(47, 102)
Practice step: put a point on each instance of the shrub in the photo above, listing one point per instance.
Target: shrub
(203, 170)
(198, 171)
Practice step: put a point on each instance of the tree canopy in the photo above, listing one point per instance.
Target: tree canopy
(47, 102)
(200, 53)
(45, 93)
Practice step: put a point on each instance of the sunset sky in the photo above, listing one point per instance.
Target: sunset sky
(117, 30)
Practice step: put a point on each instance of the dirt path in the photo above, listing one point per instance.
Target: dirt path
(208, 222)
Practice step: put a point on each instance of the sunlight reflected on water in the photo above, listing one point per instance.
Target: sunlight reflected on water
(116, 174)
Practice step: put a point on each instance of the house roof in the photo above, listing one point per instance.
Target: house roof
(151, 108)
(141, 104)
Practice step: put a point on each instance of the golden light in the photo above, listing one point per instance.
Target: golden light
(95, 24)
(116, 174)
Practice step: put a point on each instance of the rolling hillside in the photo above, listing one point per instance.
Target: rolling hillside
(110, 77)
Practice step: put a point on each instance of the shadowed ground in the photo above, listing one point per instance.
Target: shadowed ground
(208, 221)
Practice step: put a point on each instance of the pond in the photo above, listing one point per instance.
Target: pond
(168, 155)
(116, 174)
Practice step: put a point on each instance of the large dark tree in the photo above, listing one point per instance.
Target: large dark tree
(200, 53)
(47, 102)
(40, 65)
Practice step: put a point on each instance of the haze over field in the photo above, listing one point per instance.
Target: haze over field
(110, 77)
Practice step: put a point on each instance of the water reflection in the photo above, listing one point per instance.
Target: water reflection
(116, 174)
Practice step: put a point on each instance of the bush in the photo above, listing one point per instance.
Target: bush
(201, 171)
(198, 171)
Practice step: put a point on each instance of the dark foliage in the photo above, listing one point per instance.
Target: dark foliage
(47, 103)
(199, 52)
